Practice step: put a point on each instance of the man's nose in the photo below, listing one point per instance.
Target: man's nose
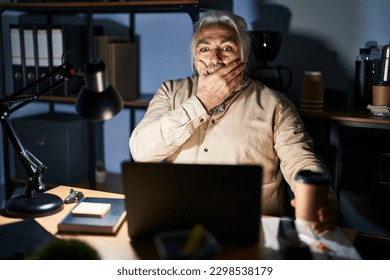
(216, 56)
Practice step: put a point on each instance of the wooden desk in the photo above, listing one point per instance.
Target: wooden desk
(119, 247)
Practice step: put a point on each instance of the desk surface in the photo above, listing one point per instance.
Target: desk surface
(119, 247)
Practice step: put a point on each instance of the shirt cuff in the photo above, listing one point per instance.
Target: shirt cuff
(195, 110)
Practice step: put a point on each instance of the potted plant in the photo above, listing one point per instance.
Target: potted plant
(100, 171)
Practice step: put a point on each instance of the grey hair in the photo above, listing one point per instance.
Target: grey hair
(227, 19)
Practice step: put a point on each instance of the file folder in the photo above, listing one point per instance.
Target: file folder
(43, 55)
(29, 57)
(57, 49)
(16, 57)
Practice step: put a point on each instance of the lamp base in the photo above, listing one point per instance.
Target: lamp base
(43, 204)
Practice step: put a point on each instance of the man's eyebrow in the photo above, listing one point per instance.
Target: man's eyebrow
(224, 40)
(229, 39)
(203, 41)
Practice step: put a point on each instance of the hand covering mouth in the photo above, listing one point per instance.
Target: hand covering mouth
(212, 67)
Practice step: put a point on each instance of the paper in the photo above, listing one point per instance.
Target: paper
(92, 209)
(340, 247)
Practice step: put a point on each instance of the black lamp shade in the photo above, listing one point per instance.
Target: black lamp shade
(97, 106)
(98, 100)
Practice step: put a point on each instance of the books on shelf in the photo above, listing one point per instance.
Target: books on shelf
(95, 215)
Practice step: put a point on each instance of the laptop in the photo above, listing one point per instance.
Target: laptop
(224, 199)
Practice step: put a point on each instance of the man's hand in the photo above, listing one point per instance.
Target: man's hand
(327, 215)
(215, 87)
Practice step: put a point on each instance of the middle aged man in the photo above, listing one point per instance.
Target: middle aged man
(220, 116)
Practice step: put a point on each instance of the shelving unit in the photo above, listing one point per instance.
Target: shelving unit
(191, 7)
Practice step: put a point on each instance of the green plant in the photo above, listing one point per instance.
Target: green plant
(99, 166)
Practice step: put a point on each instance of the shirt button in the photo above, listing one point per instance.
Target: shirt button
(213, 121)
(206, 150)
(201, 120)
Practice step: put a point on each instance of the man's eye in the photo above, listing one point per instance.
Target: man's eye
(203, 49)
(227, 49)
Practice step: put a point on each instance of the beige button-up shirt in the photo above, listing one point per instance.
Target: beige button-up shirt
(258, 126)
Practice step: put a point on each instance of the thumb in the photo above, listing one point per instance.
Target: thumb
(292, 202)
(202, 68)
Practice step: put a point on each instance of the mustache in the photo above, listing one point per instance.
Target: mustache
(212, 67)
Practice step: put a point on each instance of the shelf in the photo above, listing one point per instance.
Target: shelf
(189, 6)
(139, 103)
(142, 102)
(361, 118)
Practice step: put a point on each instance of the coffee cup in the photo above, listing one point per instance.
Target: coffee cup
(381, 94)
(311, 193)
(312, 93)
(312, 87)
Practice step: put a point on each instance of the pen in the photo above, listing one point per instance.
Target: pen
(194, 240)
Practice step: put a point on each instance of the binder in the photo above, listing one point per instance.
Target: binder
(57, 49)
(42, 39)
(120, 57)
(69, 45)
(16, 57)
(29, 46)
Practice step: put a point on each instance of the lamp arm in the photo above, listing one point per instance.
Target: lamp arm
(67, 71)
(34, 169)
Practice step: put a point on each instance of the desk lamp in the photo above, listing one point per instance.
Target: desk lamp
(97, 100)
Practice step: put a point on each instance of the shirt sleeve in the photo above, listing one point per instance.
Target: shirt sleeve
(166, 126)
(293, 145)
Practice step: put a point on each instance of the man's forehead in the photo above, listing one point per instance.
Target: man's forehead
(222, 34)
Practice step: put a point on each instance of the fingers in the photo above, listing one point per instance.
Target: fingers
(215, 87)
(232, 73)
(232, 69)
(323, 226)
(202, 68)
(327, 216)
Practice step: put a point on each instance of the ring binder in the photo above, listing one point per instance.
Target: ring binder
(43, 54)
(29, 56)
(16, 57)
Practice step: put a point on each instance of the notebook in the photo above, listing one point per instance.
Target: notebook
(225, 199)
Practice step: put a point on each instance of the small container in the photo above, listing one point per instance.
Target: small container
(365, 67)
(385, 64)
(381, 93)
(311, 193)
(312, 93)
